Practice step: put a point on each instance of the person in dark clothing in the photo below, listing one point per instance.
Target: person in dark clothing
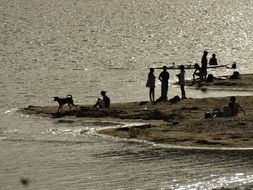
(151, 84)
(236, 107)
(197, 71)
(164, 78)
(104, 102)
(181, 81)
(204, 66)
(213, 60)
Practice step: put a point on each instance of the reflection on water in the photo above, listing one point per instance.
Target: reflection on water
(67, 155)
(120, 165)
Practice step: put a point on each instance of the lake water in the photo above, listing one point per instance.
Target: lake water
(53, 48)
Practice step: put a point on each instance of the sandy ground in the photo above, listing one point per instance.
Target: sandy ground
(182, 123)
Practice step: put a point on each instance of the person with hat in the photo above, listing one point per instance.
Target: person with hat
(164, 78)
(103, 102)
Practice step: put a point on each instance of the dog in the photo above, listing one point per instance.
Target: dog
(62, 101)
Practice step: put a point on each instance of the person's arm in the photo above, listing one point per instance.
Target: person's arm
(240, 107)
(160, 77)
(193, 75)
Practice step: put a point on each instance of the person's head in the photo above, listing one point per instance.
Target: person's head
(164, 68)
(182, 68)
(213, 55)
(151, 70)
(232, 99)
(103, 93)
(205, 53)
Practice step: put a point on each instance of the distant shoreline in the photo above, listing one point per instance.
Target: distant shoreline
(181, 124)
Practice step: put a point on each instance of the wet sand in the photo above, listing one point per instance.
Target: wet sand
(182, 123)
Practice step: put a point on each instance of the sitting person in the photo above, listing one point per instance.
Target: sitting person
(213, 60)
(235, 75)
(197, 71)
(236, 107)
(103, 102)
(232, 109)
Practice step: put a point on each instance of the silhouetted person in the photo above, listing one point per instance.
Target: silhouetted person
(164, 78)
(234, 65)
(236, 107)
(213, 60)
(104, 102)
(181, 80)
(235, 75)
(151, 85)
(203, 66)
(197, 71)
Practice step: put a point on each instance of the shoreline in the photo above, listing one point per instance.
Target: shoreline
(180, 124)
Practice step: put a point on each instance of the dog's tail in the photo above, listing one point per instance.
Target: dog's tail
(69, 95)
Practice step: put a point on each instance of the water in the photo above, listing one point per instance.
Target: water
(52, 48)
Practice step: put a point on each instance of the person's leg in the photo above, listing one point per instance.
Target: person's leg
(182, 91)
(162, 90)
(152, 94)
(97, 103)
(101, 104)
(165, 90)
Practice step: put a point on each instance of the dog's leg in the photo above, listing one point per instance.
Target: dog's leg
(69, 106)
(60, 108)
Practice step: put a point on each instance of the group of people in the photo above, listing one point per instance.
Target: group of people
(200, 71)
(231, 110)
(164, 78)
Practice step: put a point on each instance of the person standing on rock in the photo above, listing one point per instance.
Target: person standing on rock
(164, 78)
(151, 84)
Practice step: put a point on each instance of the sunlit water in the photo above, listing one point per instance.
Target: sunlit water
(52, 48)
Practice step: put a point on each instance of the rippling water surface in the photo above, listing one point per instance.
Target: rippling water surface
(52, 48)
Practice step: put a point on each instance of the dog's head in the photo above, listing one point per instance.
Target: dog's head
(56, 98)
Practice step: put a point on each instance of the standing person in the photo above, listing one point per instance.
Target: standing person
(151, 85)
(204, 66)
(104, 102)
(164, 78)
(181, 80)
(213, 60)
